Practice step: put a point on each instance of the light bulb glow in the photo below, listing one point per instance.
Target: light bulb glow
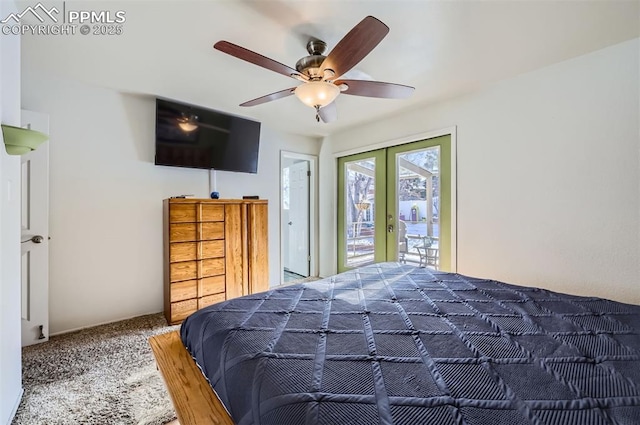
(188, 123)
(317, 93)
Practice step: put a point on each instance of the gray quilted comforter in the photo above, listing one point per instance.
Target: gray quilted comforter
(394, 344)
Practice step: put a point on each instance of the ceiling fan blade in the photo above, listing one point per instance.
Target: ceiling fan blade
(375, 89)
(328, 113)
(354, 46)
(257, 59)
(269, 97)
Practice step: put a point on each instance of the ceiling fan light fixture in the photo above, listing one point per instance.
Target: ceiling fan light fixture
(317, 93)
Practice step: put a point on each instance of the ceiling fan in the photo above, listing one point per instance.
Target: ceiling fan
(321, 74)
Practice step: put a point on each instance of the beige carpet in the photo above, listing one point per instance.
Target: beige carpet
(101, 375)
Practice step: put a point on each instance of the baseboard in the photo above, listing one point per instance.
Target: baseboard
(15, 407)
(101, 323)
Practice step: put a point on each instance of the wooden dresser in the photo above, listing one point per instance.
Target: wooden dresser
(214, 249)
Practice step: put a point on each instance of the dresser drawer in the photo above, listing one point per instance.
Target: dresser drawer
(184, 290)
(183, 232)
(181, 309)
(212, 249)
(211, 230)
(182, 213)
(211, 285)
(183, 251)
(212, 267)
(210, 299)
(185, 270)
(212, 212)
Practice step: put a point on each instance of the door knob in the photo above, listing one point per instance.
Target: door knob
(35, 239)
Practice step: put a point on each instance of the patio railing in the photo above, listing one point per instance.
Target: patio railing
(360, 249)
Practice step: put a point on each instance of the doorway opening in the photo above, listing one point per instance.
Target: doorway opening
(297, 216)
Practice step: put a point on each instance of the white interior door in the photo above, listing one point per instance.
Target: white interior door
(35, 235)
(299, 218)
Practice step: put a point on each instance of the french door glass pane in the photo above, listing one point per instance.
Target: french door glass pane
(359, 212)
(418, 191)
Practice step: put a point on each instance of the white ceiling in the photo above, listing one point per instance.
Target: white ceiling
(443, 48)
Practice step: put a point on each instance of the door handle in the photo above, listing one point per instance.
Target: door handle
(34, 239)
(290, 223)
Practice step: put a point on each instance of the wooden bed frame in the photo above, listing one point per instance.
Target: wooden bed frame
(193, 398)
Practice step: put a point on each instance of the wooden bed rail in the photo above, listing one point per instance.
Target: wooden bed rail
(194, 400)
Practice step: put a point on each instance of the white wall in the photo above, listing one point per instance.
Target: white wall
(327, 219)
(548, 175)
(106, 199)
(10, 352)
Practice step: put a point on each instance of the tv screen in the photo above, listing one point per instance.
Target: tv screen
(190, 136)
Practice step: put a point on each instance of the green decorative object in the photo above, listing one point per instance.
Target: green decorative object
(18, 140)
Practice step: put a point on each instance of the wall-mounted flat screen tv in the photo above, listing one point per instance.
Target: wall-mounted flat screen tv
(195, 137)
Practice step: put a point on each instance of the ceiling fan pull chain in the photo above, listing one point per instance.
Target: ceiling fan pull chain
(317, 113)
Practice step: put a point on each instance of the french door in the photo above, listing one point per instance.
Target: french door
(394, 204)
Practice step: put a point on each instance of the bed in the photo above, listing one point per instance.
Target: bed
(395, 344)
